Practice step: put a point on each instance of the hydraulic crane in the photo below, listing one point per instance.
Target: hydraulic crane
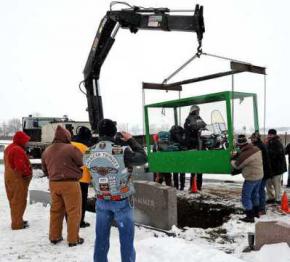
(133, 18)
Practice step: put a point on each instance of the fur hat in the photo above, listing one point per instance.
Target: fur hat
(242, 140)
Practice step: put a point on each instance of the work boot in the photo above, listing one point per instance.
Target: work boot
(249, 218)
(56, 241)
(80, 241)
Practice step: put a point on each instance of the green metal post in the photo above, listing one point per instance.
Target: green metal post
(147, 130)
(255, 107)
(229, 100)
(175, 116)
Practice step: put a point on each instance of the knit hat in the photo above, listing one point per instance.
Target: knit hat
(272, 132)
(242, 140)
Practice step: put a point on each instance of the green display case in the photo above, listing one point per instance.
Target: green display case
(212, 161)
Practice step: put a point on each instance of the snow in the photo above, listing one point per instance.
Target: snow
(190, 244)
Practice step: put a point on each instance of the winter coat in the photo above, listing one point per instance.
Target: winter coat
(250, 162)
(15, 155)
(277, 156)
(265, 157)
(62, 161)
(192, 127)
(86, 177)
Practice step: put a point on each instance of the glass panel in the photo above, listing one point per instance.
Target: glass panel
(206, 130)
(243, 116)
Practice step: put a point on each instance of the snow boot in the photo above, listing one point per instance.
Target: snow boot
(249, 218)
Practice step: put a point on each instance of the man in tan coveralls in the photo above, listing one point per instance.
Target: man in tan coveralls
(17, 175)
(62, 163)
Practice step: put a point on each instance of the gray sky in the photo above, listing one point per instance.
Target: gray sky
(45, 44)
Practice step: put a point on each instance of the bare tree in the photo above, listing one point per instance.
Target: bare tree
(4, 129)
(14, 125)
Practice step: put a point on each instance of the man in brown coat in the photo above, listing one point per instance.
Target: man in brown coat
(62, 163)
(250, 162)
(17, 175)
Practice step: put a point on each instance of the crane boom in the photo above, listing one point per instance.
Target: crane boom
(134, 19)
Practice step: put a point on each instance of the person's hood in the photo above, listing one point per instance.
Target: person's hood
(61, 135)
(20, 138)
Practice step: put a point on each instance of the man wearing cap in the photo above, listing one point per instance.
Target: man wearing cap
(110, 165)
(250, 162)
(17, 174)
(256, 141)
(278, 166)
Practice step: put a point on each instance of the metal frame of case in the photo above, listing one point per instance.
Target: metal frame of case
(195, 161)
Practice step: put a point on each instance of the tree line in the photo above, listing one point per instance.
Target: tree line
(9, 127)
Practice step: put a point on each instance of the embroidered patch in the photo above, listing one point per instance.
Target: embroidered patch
(103, 171)
(102, 145)
(117, 150)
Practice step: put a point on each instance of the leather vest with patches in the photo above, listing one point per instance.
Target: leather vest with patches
(110, 177)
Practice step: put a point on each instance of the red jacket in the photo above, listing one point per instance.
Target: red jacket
(16, 156)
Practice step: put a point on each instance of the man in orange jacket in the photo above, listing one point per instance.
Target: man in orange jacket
(18, 174)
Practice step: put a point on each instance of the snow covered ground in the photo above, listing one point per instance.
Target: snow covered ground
(190, 244)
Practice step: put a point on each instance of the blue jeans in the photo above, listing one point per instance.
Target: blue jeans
(262, 195)
(250, 194)
(122, 213)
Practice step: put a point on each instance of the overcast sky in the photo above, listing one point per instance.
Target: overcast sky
(45, 44)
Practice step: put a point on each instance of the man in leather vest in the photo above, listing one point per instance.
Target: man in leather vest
(110, 165)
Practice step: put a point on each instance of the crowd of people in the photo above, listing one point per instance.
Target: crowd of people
(262, 165)
(71, 163)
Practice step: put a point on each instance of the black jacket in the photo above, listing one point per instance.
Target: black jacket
(277, 156)
(192, 127)
(266, 159)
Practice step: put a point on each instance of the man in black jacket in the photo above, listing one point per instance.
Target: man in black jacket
(256, 141)
(193, 126)
(278, 166)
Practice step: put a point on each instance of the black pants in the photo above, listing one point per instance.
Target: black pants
(198, 180)
(164, 177)
(84, 188)
(181, 179)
